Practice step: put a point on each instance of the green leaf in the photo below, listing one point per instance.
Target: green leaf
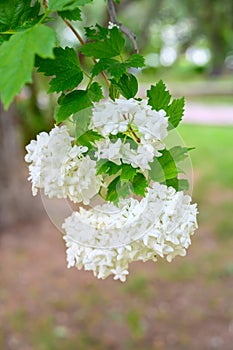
(128, 172)
(117, 69)
(71, 15)
(71, 103)
(17, 58)
(117, 40)
(64, 5)
(179, 153)
(114, 67)
(127, 85)
(96, 33)
(174, 182)
(175, 111)
(117, 189)
(112, 194)
(65, 67)
(17, 13)
(135, 60)
(95, 92)
(105, 166)
(113, 92)
(107, 46)
(88, 138)
(102, 65)
(99, 50)
(159, 97)
(183, 185)
(82, 120)
(163, 168)
(124, 189)
(140, 185)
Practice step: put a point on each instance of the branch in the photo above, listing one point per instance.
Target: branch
(125, 30)
(83, 43)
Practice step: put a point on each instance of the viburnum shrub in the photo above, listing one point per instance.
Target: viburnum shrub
(108, 145)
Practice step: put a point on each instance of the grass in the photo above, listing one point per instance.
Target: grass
(213, 156)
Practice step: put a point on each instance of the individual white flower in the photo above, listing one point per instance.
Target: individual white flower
(60, 169)
(106, 238)
(112, 25)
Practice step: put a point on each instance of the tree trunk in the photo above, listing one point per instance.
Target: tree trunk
(16, 204)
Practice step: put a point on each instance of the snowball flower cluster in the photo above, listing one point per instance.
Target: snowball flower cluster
(61, 169)
(130, 115)
(106, 239)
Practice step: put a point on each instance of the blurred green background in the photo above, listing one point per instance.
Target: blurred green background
(185, 305)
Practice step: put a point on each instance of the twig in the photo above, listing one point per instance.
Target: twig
(125, 30)
(82, 42)
(133, 132)
(78, 36)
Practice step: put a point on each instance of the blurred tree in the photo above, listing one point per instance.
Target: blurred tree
(214, 20)
(16, 202)
(211, 20)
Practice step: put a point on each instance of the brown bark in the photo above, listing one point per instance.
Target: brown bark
(16, 203)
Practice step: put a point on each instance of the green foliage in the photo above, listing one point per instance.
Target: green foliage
(95, 92)
(71, 15)
(17, 58)
(16, 14)
(108, 44)
(88, 138)
(175, 112)
(139, 184)
(179, 153)
(135, 60)
(64, 5)
(64, 67)
(163, 168)
(71, 103)
(128, 173)
(115, 68)
(128, 180)
(82, 120)
(159, 98)
(105, 166)
(127, 85)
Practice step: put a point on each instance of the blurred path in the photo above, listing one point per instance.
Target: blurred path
(208, 114)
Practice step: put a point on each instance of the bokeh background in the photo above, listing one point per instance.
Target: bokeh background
(185, 305)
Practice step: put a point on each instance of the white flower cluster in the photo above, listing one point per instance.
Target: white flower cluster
(61, 169)
(108, 238)
(122, 115)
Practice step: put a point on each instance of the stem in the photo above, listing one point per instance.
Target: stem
(133, 132)
(8, 32)
(82, 42)
(78, 36)
(125, 30)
